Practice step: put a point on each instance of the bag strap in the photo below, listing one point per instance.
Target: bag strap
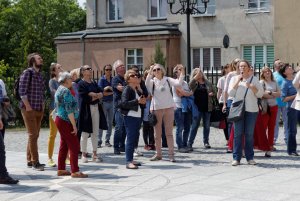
(153, 96)
(170, 87)
(248, 88)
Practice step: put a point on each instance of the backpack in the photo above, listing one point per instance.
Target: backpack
(17, 84)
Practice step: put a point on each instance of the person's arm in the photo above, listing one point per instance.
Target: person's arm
(23, 88)
(233, 86)
(276, 93)
(284, 90)
(84, 93)
(296, 81)
(69, 107)
(126, 103)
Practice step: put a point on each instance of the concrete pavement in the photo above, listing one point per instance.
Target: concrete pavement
(203, 175)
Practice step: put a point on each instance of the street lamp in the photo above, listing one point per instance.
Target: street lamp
(188, 7)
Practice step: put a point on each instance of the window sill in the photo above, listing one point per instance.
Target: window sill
(252, 11)
(115, 22)
(157, 19)
(204, 15)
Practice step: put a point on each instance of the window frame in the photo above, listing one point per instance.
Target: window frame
(159, 17)
(258, 8)
(116, 14)
(253, 56)
(135, 56)
(200, 6)
(211, 57)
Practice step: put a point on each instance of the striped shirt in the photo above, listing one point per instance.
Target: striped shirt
(33, 92)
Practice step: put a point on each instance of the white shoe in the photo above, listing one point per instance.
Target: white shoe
(84, 159)
(235, 163)
(251, 162)
(97, 159)
(137, 153)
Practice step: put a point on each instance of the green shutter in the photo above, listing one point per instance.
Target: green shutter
(259, 56)
(247, 51)
(270, 54)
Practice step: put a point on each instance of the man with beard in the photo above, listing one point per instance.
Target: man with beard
(31, 90)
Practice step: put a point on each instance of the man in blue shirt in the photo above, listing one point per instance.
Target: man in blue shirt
(118, 84)
(281, 105)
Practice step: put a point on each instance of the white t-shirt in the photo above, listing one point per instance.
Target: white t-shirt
(133, 113)
(221, 85)
(271, 86)
(227, 81)
(176, 98)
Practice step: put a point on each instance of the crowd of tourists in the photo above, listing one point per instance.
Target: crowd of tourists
(83, 109)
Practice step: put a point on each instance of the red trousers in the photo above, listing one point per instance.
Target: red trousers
(68, 141)
(269, 121)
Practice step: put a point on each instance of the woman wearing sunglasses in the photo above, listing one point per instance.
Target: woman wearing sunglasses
(131, 107)
(162, 105)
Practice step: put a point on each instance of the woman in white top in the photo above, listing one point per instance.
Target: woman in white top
(271, 92)
(238, 87)
(162, 105)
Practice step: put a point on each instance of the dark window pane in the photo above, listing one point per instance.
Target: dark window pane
(154, 8)
(196, 58)
(217, 58)
(206, 59)
(111, 7)
(120, 9)
(163, 8)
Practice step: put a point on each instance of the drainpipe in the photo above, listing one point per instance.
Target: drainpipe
(95, 14)
(83, 48)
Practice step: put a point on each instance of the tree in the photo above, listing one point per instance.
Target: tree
(159, 55)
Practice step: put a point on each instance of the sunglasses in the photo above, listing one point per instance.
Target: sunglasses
(109, 69)
(156, 69)
(134, 75)
(88, 69)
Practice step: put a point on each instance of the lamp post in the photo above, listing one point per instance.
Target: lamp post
(188, 7)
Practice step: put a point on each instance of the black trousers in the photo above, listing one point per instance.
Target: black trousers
(148, 133)
(3, 170)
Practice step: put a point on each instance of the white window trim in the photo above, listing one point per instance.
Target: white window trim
(135, 56)
(116, 13)
(253, 52)
(159, 17)
(206, 14)
(258, 9)
(201, 57)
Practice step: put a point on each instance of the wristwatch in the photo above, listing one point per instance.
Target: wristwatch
(270, 93)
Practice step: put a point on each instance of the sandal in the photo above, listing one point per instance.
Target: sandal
(136, 163)
(79, 175)
(63, 173)
(131, 166)
(155, 158)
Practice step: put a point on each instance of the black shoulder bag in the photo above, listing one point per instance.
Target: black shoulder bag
(151, 116)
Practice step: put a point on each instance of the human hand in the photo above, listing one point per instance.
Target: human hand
(74, 132)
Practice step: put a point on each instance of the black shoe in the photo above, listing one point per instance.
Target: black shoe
(8, 180)
(88, 155)
(190, 148)
(207, 146)
(117, 152)
(183, 150)
(38, 167)
(108, 144)
(293, 154)
(29, 164)
(268, 154)
(122, 149)
(228, 151)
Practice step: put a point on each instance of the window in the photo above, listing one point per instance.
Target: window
(134, 57)
(255, 6)
(157, 9)
(115, 10)
(207, 58)
(211, 8)
(259, 55)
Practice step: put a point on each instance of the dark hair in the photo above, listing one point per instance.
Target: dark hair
(31, 59)
(247, 62)
(52, 70)
(107, 65)
(223, 72)
(283, 68)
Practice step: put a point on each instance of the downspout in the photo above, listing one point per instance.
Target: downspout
(95, 14)
(83, 48)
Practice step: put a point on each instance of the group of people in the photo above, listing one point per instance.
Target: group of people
(80, 109)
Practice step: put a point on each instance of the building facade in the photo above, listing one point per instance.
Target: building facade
(130, 29)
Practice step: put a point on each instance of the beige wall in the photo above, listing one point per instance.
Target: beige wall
(287, 30)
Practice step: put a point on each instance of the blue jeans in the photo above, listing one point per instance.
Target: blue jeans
(229, 124)
(182, 120)
(292, 130)
(283, 112)
(108, 110)
(241, 128)
(120, 133)
(3, 170)
(195, 126)
(132, 126)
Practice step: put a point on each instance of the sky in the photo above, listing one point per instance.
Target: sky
(81, 2)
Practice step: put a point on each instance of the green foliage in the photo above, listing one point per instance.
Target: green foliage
(158, 55)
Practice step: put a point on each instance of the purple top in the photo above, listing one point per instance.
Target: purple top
(35, 92)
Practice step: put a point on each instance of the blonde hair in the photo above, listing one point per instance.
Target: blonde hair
(128, 73)
(162, 68)
(266, 68)
(195, 71)
(76, 72)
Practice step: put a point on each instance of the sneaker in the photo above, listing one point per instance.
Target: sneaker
(29, 164)
(38, 167)
(228, 151)
(51, 163)
(8, 180)
(67, 161)
(99, 144)
(235, 163)
(155, 158)
(183, 150)
(207, 146)
(117, 152)
(108, 144)
(122, 149)
(63, 173)
(97, 159)
(268, 154)
(251, 162)
(79, 175)
(84, 159)
(190, 148)
(293, 154)
(137, 153)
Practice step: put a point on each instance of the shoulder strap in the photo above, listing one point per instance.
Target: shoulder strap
(248, 88)
(170, 87)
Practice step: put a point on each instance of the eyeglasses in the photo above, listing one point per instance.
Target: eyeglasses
(108, 69)
(88, 69)
(156, 69)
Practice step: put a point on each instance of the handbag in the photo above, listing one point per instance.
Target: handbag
(237, 109)
(216, 114)
(151, 116)
(103, 122)
(263, 103)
